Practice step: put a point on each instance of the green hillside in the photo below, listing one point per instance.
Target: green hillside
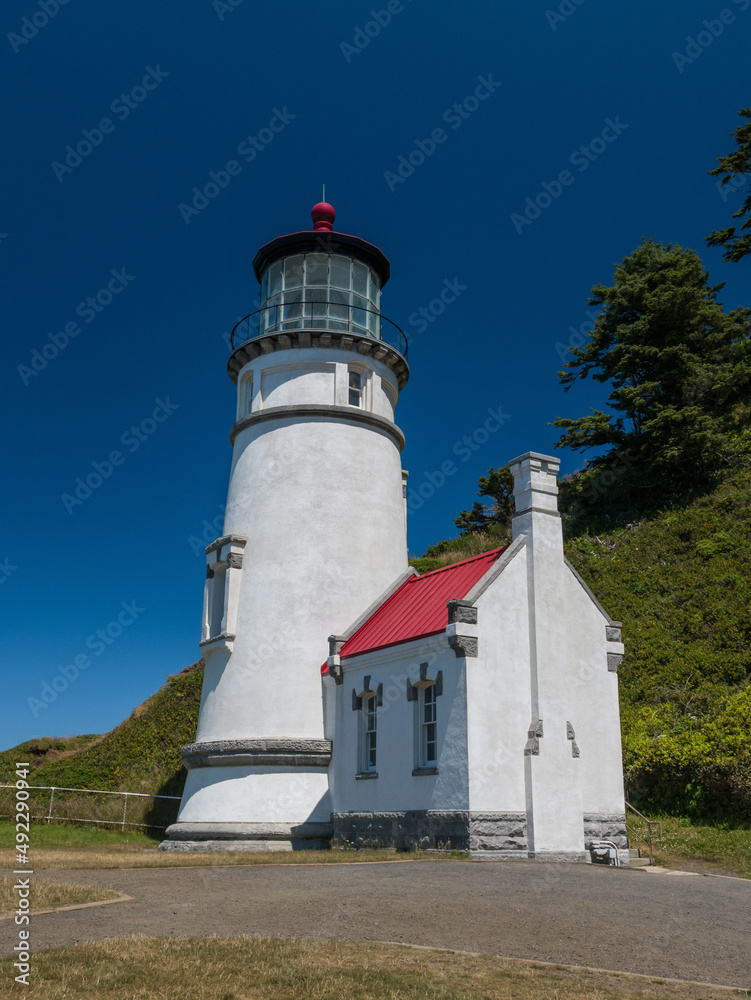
(142, 754)
(681, 584)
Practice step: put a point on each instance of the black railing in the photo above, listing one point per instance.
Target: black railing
(249, 327)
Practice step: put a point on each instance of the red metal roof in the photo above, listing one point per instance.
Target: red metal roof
(418, 607)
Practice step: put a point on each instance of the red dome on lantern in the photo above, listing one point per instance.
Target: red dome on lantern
(323, 216)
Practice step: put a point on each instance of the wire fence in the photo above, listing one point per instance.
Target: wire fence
(92, 805)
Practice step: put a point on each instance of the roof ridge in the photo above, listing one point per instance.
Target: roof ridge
(459, 562)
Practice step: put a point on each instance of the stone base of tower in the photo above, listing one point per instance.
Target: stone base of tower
(230, 804)
(247, 837)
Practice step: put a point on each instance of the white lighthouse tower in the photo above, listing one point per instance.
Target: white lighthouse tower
(314, 532)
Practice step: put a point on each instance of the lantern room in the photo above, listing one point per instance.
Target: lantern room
(320, 280)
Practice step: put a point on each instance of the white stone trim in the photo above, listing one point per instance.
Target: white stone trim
(245, 394)
(591, 596)
(388, 592)
(322, 411)
(224, 559)
(535, 482)
(496, 569)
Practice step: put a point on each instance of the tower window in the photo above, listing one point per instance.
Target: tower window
(217, 591)
(224, 559)
(245, 395)
(355, 388)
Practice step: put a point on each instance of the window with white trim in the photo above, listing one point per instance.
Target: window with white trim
(369, 733)
(356, 388)
(428, 708)
(424, 693)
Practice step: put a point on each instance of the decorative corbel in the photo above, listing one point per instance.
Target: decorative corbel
(534, 735)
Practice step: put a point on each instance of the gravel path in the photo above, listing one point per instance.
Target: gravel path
(662, 925)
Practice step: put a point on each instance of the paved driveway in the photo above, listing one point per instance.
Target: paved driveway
(663, 925)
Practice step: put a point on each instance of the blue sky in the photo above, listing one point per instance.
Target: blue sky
(297, 95)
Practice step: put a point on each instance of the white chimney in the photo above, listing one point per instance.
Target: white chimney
(553, 775)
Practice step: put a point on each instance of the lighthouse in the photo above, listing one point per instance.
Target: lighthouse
(314, 532)
(346, 695)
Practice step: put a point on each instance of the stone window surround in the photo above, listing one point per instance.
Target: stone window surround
(223, 556)
(367, 378)
(428, 677)
(359, 705)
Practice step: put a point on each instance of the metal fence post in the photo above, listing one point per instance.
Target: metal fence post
(49, 811)
(125, 807)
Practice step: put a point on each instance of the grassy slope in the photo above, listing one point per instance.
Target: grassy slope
(142, 754)
(681, 583)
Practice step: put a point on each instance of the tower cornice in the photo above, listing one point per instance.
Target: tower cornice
(343, 340)
(322, 411)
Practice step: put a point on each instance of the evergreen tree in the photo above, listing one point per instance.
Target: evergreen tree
(679, 366)
(499, 486)
(736, 164)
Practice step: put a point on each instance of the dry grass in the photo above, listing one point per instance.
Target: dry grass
(139, 968)
(55, 847)
(46, 895)
(125, 856)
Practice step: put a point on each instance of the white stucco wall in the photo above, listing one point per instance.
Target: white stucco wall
(594, 690)
(288, 383)
(251, 794)
(498, 693)
(554, 775)
(316, 375)
(320, 501)
(395, 788)
(573, 701)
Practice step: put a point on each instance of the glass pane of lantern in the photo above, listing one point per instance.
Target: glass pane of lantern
(272, 313)
(292, 309)
(340, 268)
(317, 268)
(359, 316)
(339, 309)
(359, 277)
(293, 271)
(275, 278)
(264, 285)
(374, 288)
